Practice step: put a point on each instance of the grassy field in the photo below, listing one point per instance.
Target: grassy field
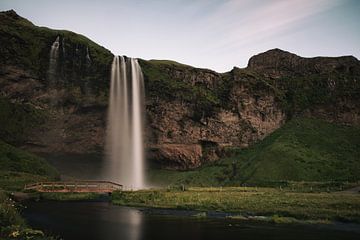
(247, 201)
(303, 149)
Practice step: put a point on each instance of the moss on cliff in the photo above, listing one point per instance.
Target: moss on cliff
(28, 46)
(298, 93)
(160, 82)
(17, 119)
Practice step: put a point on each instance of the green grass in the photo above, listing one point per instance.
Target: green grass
(8, 213)
(16, 181)
(18, 167)
(302, 150)
(13, 226)
(16, 160)
(250, 202)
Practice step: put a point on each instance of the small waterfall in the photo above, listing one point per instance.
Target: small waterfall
(53, 62)
(63, 46)
(88, 59)
(124, 146)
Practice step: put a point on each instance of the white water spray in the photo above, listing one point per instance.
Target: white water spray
(124, 146)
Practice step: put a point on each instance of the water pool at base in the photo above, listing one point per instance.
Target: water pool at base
(104, 221)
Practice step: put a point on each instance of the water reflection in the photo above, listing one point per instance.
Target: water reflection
(123, 223)
(103, 221)
(90, 220)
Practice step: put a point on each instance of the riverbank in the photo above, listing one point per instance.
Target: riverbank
(249, 203)
(13, 225)
(231, 205)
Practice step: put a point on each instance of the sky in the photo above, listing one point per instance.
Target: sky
(214, 34)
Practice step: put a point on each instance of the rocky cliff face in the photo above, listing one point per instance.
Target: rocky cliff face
(67, 110)
(323, 87)
(246, 115)
(277, 63)
(192, 114)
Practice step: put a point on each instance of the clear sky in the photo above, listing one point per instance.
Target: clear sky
(215, 34)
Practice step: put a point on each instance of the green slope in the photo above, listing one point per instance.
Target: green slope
(302, 150)
(14, 159)
(18, 167)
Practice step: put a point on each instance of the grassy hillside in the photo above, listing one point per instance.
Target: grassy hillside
(13, 159)
(302, 150)
(18, 167)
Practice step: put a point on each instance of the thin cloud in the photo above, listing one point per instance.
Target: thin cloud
(266, 20)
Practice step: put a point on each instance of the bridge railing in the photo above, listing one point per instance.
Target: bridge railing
(74, 186)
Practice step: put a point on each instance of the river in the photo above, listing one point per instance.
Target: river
(103, 221)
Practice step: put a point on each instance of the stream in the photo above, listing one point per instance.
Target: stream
(103, 220)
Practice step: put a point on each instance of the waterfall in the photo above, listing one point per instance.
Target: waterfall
(53, 62)
(124, 146)
(88, 59)
(63, 46)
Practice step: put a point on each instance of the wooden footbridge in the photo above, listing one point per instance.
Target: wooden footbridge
(75, 186)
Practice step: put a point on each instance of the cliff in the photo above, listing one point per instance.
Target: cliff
(193, 115)
(203, 112)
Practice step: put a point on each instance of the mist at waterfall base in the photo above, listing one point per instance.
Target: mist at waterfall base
(124, 148)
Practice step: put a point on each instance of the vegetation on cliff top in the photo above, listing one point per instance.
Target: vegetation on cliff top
(302, 150)
(298, 93)
(160, 82)
(28, 46)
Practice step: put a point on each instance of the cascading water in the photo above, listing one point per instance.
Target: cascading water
(53, 62)
(124, 146)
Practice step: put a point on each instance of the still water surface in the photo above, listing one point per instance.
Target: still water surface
(102, 220)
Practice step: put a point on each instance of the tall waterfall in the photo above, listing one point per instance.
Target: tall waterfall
(53, 61)
(124, 146)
